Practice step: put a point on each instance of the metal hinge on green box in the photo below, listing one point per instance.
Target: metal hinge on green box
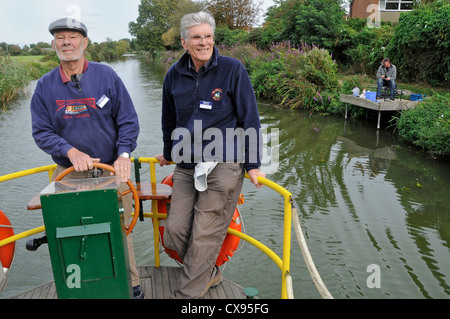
(87, 244)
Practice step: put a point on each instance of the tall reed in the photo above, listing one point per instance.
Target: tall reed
(13, 77)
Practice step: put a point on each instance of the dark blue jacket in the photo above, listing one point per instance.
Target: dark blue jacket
(202, 112)
(63, 117)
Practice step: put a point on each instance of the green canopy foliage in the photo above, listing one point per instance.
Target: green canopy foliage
(304, 21)
(152, 23)
(420, 46)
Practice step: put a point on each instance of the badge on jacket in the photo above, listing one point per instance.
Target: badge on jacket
(217, 94)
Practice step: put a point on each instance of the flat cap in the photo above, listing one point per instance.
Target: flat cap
(68, 24)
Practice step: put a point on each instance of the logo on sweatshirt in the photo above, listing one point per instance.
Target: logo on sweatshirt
(217, 94)
(75, 108)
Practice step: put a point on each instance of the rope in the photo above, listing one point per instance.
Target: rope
(289, 287)
(308, 259)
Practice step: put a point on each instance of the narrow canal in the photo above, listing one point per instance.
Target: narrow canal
(375, 212)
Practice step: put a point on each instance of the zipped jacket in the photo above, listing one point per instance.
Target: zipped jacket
(390, 72)
(201, 111)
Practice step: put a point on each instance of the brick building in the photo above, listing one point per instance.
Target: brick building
(386, 10)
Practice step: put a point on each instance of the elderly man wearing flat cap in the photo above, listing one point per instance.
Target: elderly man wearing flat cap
(82, 114)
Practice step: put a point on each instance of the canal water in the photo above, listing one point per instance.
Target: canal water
(375, 212)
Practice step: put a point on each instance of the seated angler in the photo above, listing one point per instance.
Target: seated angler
(386, 75)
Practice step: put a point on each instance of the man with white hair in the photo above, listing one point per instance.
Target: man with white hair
(206, 93)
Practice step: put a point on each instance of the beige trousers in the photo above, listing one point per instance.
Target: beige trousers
(197, 223)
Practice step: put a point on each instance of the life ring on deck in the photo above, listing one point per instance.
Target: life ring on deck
(7, 251)
(230, 244)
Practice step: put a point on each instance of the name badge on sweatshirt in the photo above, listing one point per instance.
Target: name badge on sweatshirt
(102, 102)
(205, 105)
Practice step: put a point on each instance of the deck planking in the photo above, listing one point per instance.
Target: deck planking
(157, 283)
(381, 105)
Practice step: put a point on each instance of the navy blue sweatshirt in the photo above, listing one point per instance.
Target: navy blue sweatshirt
(214, 102)
(100, 120)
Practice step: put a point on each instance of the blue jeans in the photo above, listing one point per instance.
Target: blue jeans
(390, 84)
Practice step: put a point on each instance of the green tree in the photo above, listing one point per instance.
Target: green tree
(109, 50)
(318, 22)
(309, 21)
(36, 49)
(171, 38)
(235, 14)
(226, 36)
(280, 21)
(123, 46)
(14, 49)
(152, 23)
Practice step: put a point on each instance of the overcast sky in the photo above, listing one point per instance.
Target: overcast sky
(26, 21)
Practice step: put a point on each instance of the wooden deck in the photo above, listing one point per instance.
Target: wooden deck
(380, 106)
(157, 283)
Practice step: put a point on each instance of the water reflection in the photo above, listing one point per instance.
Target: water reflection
(365, 198)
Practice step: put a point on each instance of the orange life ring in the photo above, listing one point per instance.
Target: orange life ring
(7, 251)
(230, 244)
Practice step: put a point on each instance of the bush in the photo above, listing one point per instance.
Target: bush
(360, 48)
(420, 47)
(228, 37)
(296, 76)
(428, 125)
(245, 53)
(312, 21)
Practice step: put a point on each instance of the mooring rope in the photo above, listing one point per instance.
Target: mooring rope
(307, 257)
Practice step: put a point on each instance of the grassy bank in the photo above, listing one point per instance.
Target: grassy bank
(38, 65)
(17, 72)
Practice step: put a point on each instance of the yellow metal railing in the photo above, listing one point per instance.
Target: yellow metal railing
(283, 263)
(50, 169)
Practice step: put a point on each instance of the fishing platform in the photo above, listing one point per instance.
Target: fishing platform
(380, 105)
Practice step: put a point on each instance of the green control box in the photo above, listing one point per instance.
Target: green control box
(86, 240)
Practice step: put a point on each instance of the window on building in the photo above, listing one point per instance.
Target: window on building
(396, 5)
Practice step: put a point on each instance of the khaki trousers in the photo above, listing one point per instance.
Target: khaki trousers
(197, 223)
(127, 203)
